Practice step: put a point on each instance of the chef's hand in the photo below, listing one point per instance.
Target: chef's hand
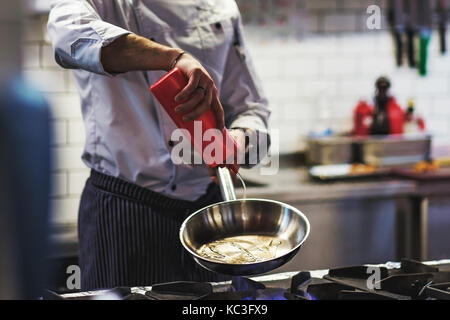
(239, 137)
(200, 90)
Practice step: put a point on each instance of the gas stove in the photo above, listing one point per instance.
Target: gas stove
(405, 280)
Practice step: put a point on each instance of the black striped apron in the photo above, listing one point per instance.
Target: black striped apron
(128, 235)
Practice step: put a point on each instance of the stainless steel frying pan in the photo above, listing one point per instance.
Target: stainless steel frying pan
(243, 217)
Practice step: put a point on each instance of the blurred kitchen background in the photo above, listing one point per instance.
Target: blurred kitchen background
(316, 59)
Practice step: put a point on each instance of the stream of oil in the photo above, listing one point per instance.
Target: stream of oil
(244, 195)
(244, 249)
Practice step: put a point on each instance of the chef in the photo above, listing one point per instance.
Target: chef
(136, 198)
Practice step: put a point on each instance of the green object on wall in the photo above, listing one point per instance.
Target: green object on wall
(423, 54)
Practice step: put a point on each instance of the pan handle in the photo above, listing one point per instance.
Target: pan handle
(225, 183)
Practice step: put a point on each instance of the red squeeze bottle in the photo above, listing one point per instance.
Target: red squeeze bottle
(362, 119)
(165, 91)
(396, 117)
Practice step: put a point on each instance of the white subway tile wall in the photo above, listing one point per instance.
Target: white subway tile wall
(321, 78)
(311, 83)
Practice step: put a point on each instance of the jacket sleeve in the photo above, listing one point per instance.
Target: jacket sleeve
(242, 96)
(241, 93)
(78, 34)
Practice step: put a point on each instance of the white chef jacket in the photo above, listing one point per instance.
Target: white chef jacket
(127, 131)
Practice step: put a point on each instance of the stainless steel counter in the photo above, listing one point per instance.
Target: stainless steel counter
(294, 184)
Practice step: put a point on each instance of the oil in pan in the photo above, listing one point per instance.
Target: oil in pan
(243, 249)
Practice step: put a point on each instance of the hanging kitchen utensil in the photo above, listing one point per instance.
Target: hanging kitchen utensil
(424, 21)
(423, 53)
(411, 30)
(397, 20)
(442, 8)
(412, 19)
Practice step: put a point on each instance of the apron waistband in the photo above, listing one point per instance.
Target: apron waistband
(151, 198)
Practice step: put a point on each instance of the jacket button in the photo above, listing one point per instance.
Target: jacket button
(174, 187)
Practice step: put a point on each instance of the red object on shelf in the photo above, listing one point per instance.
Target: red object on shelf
(421, 124)
(396, 117)
(362, 119)
(165, 90)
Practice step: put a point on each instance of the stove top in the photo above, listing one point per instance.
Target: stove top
(406, 280)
